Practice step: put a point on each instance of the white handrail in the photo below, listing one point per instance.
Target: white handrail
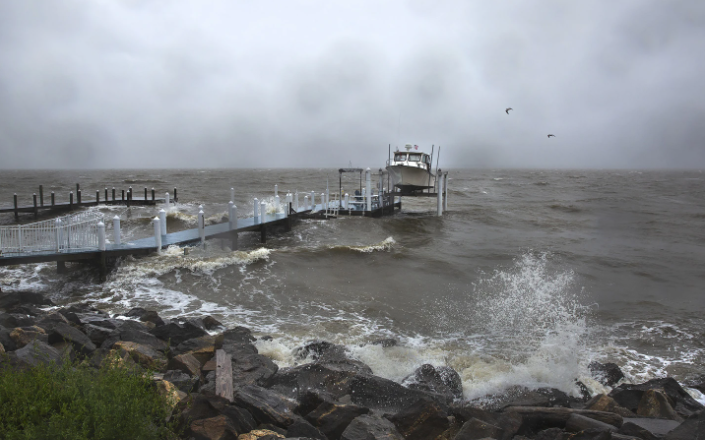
(70, 232)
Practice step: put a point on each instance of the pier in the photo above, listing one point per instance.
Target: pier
(82, 237)
(80, 200)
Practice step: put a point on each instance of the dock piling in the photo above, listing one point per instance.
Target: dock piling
(71, 200)
(166, 201)
(276, 190)
(116, 230)
(97, 197)
(263, 211)
(145, 193)
(296, 201)
(368, 189)
(101, 236)
(162, 220)
(255, 212)
(78, 187)
(106, 194)
(157, 233)
(232, 215)
(202, 226)
(52, 198)
(232, 194)
(439, 208)
(276, 203)
(122, 191)
(176, 199)
(347, 201)
(34, 202)
(153, 194)
(78, 196)
(445, 191)
(57, 236)
(41, 195)
(17, 213)
(306, 203)
(113, 194)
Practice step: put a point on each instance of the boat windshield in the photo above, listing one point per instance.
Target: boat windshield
(400, 157)
(415, 157)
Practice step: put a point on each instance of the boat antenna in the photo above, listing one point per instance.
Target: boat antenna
(430, 169)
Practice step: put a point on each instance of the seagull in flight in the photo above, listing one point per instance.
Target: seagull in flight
(507, 110)
(551, 135)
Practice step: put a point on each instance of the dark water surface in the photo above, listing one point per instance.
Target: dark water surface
(528, 277)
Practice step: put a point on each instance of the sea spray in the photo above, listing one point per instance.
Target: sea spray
(535, 325)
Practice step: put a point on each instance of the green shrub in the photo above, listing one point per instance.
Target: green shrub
(72, 400)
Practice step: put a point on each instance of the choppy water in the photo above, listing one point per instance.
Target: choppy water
(527, 278)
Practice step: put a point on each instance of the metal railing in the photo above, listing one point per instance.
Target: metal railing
(71, 232)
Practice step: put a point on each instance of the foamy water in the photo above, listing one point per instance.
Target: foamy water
(528, 278)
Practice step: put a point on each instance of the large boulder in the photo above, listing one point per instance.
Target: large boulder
(182, 381)
(692, 428)
(649, 428)
(51, 320)
(536, 418)
(265, 405)
(65, 333)
(379, 393)
(423, 419)
(9, 320)
(295, 381)
(629, 396)
(332, 419)
(302, 428)
(475, 429)
(254, 369)
(437, 380)
(96, 334)
(133, 331)
(143, 355)
(37, 352)
(12, 299)
(6, 340)
(607, 374)
(522, 396)
(602, 402)
(214, 428)
(185, 363)
(655, 404)
(370, 427)
(21, 336)
(195, 344)
(176, 333)
(145, 316)
(510, 422)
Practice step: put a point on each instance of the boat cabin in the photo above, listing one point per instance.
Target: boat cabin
(412, 158)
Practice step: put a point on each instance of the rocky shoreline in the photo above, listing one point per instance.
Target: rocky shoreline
(330, 396)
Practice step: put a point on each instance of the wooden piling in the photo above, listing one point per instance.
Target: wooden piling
(17, 214)
(71, 200)
(152, 193)
(176, 199)
(123, 195)
(41, 195)
(145, 193)
(52, 198)
(34, 201)
(78, 196)
(113, 194)
(97, 197)
(223, 374)
(106, 195)
(78, 188)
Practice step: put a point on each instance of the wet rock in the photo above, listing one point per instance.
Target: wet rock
(535, 419)
(22, 336)
(475, 429)
(273, 428)
(308, 400)
(99, 320)
(145, 316)
(636, 431)
(302, 428)
(71, 316)
(629, 395)
(311, 377)
(607, 374)
(577, 423)
(421, 420)
(254, 369)
(25, 309)
(79, 341)
(549, 434)
(260, 434)
(12, 299)
(142, 354)
(510, 422)
(370, 427)
(195, 344)
(204, 354)
(379, 393)
(545, 397)
(6, 340)
(8, 320)
(658, 427)
(176, 333)
(51, 320)
(185, 363)
(210, 323)
(96, 334)
(441, 380)
(267, 338)
(36, 352)
(214, 428)
(655, 404)
(602, 402)
(182, 381)
(332, 419)
(131, 331)
(692, 428)
(266, 406)
(316, 350)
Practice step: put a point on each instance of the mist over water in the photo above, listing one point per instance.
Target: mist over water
(527, 278)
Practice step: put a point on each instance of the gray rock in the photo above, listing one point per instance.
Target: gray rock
(424, 419)
(37, 352)
(64, 332)
(370, 427)
(266, 406)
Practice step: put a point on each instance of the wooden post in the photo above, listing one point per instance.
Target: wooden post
(106, 195)
(153, 194)
(52, 198)
(41, 195)
(78, 188)
(97, 197)
(78, 196)
(71, 200)
(60, 267)
(145, 193)
(34, 201)
(123, 195)
(176, 199)
(113, 194)
(223, 374)
(17, 213)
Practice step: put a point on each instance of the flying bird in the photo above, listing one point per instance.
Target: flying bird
(551, 135)
(507, 110)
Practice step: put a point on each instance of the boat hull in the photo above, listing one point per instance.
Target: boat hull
(411, 178)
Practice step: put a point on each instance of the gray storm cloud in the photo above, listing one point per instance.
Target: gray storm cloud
(120, 84)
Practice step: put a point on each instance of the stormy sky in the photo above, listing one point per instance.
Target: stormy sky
(304, 83)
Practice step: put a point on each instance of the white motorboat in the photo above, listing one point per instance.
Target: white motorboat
(410, 170)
